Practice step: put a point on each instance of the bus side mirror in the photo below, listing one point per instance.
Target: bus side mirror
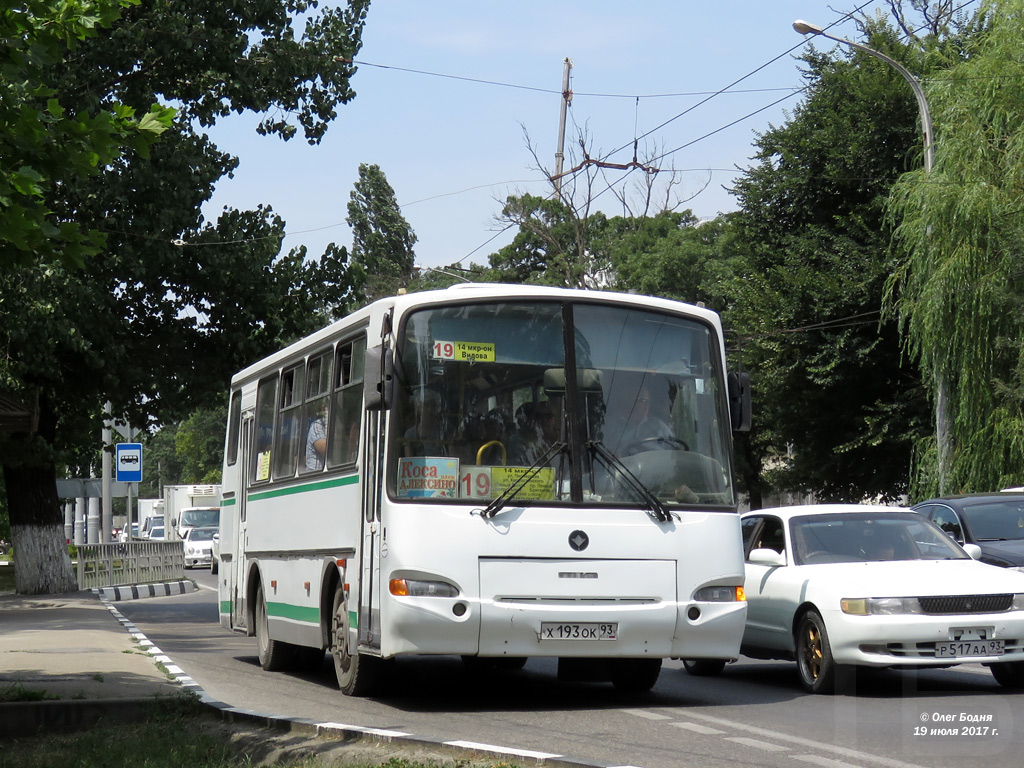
(739, 401)
(380, 377)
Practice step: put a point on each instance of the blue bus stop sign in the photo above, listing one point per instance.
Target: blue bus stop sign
(128, 463)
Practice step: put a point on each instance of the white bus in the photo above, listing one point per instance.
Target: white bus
(491, 471)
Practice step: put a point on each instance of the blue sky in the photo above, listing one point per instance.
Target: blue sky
(448, 92)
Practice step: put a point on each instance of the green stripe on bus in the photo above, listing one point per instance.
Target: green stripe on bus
(294, 612)
(293, 489)
(227, 502)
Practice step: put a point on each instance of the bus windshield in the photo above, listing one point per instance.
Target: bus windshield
(593, 403)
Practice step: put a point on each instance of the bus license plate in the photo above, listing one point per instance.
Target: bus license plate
(966, 648)
(578, 630)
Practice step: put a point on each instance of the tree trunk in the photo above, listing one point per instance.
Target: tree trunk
(41, 562)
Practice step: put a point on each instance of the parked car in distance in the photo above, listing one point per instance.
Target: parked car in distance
(156, 534)
(215, 553)
(835, 586)
(198, 544)
(151, 522)
(993, 521)
(123, 535)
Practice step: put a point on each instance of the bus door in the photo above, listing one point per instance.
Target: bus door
(375, 401)
(237, 544)
(369, 576)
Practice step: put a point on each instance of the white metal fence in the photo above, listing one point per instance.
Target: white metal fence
(133, 562)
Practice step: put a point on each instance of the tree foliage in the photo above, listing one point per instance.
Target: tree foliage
(959, 290)
(158, 320)
(382, 240)
(47, 138)
(837, 406)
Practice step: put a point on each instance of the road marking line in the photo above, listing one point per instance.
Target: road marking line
(765, 745)
(645, 714)
(697, 728)
(828, 762)
(855, 754)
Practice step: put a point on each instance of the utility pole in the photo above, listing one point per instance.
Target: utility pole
(566, 100)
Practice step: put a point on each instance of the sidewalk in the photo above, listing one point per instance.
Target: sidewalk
(69, 651)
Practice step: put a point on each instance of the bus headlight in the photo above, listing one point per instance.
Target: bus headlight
(719, 595)
(415, 588)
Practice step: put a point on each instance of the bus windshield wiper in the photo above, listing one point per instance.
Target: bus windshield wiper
(498, 502)
(627, 478)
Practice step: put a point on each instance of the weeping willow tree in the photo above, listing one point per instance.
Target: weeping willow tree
(961, 286)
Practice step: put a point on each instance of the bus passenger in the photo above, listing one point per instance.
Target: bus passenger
(316, 440)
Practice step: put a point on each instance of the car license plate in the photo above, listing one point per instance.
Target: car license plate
(966, 648)
(578, 630)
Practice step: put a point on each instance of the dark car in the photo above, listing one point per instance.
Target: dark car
(993, 521)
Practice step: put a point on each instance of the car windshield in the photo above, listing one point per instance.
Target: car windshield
(996, 521)
(488, 396)
(201, 534)
(198, 517)
(869, 537)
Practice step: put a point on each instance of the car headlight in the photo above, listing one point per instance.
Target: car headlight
(880, 606)
(1018, 603)
(719, 595)
(414, 588)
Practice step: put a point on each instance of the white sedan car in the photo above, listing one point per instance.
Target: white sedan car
(843, 585)
(198, 543)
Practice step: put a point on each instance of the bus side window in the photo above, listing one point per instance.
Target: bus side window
(289, 431)
(347, 411)
(234, 421)
(266, 406)
(314, 413)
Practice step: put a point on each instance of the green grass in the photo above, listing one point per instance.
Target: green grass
(183, 733)
(18, 692)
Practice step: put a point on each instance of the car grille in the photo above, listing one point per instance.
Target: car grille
(965, 604)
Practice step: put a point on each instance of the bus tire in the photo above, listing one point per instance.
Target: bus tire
(634, 675)
(274, 654)
(357, 673)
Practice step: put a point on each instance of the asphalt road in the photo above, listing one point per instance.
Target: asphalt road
(754, 714)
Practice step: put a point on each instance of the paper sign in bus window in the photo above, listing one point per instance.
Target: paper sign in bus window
(465, 351)
(428, 477)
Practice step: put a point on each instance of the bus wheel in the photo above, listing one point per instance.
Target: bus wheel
(634, 675)
(357, 673)
(274, 654)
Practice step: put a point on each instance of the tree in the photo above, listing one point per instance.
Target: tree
(837, 406)
(382, 240)
(158, 320)
(45, 142)
(552, 246)
(959, 290)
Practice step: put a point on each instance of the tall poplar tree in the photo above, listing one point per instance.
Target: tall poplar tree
(382, 240)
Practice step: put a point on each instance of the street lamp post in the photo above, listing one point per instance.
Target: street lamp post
(941, 387)
(806, 28)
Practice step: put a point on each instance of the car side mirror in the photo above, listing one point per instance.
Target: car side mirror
(973, 550)
(764, 556)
